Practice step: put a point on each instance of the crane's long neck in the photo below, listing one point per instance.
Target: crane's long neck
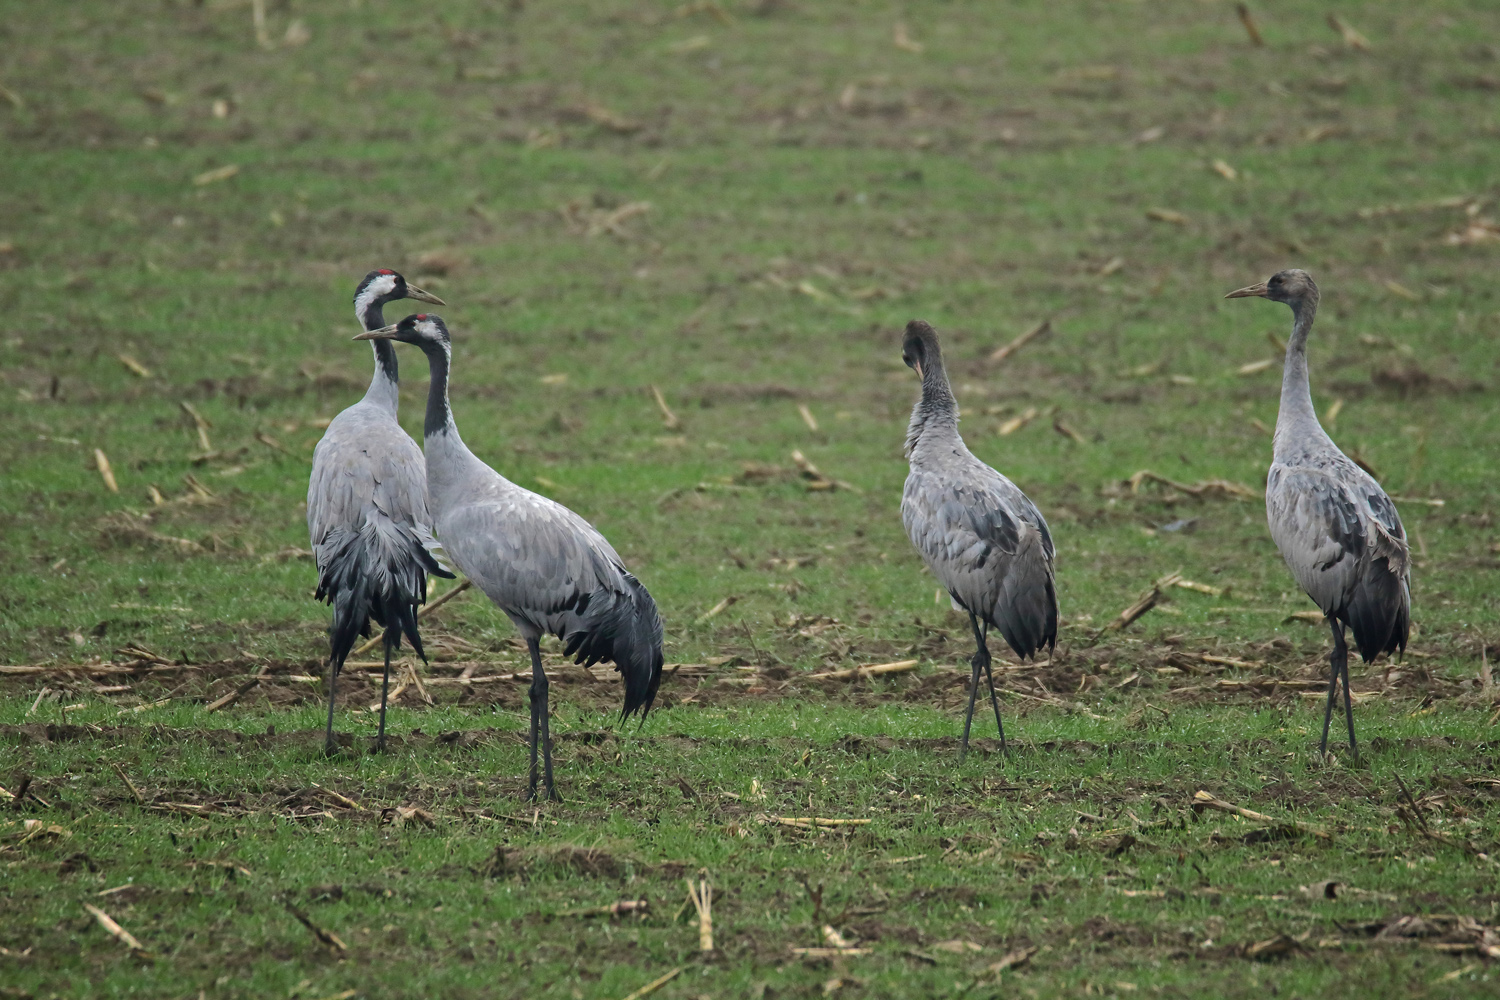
(450, 463)
(934, 420)
(1297, 427)
(385, 385)
(439, 422)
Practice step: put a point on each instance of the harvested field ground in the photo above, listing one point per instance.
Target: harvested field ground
(740, 203)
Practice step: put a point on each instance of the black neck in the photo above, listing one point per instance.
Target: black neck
(439, 417)
(373, 318)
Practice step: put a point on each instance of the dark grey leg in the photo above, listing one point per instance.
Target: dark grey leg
(552, 795)
(329, 748)
(1343, 652)
(385, 687)
(1333, 681)
(982, 634)
(538, 695)
(980, 661)
(969, 717)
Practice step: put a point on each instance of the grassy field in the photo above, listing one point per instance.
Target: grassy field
(740, 204)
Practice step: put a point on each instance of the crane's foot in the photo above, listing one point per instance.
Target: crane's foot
(338, 746)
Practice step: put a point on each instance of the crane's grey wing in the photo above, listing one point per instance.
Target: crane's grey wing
(534, 559)
(989, 546)
(366, 462)
(370, 530)
(1316, 525)
(1343, 541)
(552, 572)
(1383, 510)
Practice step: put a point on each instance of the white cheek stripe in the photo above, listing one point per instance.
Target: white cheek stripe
(380, 286)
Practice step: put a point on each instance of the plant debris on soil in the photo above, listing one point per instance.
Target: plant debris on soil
(680, 242)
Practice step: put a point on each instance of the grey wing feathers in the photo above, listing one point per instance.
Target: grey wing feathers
(989, 546)
(1343, 541)
(370, 531)
(552, 572)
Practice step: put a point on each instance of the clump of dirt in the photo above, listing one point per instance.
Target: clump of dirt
(554, 859)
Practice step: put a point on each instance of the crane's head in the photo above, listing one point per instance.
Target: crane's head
(423, 329)
(920, 349)
(384, 285)
(1293, 286)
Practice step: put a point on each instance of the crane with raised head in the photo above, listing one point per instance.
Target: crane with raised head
(548, 569)
(367, 509)
(1336, 528)
(982, 537)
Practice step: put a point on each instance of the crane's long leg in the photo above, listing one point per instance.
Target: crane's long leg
(545, 714)
(329, 747)
(538, 685)
(980, 661)
(385, 687)
(1333, 681)
(1343, 654)
(969, 717)
(540, 733)
(982, 634)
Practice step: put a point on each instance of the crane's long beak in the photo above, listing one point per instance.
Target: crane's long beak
(384, 333)
(413, 292)
(1247, 292)
(916, 366)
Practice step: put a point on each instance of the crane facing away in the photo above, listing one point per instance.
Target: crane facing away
(547, 568)
(1337, 530)
(983, 538)
(367, 509)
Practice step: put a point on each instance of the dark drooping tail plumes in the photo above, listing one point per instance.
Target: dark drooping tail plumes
(1028, 619)
(380, 573)
(623, 628)
(1379, 614)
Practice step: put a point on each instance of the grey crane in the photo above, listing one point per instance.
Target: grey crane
(547, 568)
(983, 538)
(367, 508)
(1336, 528)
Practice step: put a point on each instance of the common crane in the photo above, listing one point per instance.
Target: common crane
(983, 538)
(1336, 528)
(367, 508)
(547, 568)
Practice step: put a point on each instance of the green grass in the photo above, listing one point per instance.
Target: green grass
(811, 186)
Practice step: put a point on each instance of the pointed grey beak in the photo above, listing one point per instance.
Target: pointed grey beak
(384, 333)
(1247, 292)
(413, 292)
(917, 367)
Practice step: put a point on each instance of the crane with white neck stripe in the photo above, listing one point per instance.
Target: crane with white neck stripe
(548, 569)
(367, 509)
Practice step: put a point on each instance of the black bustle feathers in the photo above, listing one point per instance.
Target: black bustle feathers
(626, 631)
(380, 573)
